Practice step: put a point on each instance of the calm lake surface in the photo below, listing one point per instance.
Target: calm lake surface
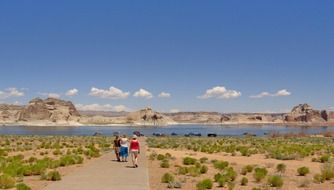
(226, 130)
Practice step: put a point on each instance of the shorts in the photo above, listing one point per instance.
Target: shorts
(134, 152)
(123, 152)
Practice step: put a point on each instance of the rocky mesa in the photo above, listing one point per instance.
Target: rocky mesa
(38, 111)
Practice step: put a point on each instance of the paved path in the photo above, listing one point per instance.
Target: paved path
(107, 174)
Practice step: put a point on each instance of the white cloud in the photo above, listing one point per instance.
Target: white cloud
(142, 93)
(101, 107)
(112, 93)
(50, 94)
(10, 92)
(53, 95)
(174, 110)
(72, 92)
(220, 92)
(17, 103)
(164, 95)
(120, 108)
(282, 92)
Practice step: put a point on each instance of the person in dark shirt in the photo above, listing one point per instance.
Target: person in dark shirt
(117, 146)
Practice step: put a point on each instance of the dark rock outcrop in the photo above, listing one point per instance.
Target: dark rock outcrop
(305, 113)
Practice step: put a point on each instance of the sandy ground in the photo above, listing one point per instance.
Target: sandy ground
(291, 180)
(35, 182)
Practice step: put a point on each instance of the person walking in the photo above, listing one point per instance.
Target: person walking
(117, 145)
(134, 150)
(124, 148)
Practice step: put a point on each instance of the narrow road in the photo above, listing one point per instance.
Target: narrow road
(107, 174)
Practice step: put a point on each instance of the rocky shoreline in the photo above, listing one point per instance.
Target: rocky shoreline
(56, 112)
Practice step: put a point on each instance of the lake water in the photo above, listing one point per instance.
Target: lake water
(226, 130)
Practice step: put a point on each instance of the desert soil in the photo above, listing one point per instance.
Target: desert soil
(291, 180)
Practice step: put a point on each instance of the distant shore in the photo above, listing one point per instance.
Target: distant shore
(255, 124)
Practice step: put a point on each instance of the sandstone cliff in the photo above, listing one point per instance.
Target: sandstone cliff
(50, 109)
(305, 113)
(218, 118)
(196, 117)
(9, 113)
(148, 117)
(331, 116)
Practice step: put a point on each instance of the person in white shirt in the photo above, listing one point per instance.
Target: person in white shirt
(124, 148)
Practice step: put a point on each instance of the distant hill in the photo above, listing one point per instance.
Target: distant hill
(104, 113)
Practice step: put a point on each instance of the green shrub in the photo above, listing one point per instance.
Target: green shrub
(37, 168)
(167, 178)
(160, 157)
(194, 171)
(230, 185)
(318, 178)
(53, 176)
(302, 171)
(275, 181)
(327, 171)
(3, 152)
(246, 169)
(325, 158)
(168, 155)
(32, 159)
(198, 165)
(245, 151)
(244, 181)
(182, 170)
(220, 165)
(204, 169)
(281, 168)
(67, 160)
(6, 182)
(230, 174)
(217, 176)
(189, 161)
(243, 171)
(204, 184)
(22, 186)
(203, 160)
(164, 164)
(57, 152)
(13, 168)
(260, 173)
(221, 181)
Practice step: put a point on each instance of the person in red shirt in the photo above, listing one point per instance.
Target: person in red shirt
(134, 150)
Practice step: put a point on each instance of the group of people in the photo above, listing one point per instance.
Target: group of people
(123, 147)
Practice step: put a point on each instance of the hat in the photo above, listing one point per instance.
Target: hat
(134, 136)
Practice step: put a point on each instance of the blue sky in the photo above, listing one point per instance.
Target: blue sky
(182, 48)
